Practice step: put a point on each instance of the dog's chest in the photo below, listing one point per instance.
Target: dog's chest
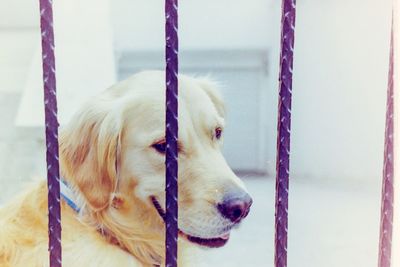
(85, 253)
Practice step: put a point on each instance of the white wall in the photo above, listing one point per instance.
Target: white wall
(340, 81)
(85, 62)
(16, 14)
(207, 24)
(18, 32)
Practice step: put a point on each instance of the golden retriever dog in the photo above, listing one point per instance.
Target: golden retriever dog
(112, 157)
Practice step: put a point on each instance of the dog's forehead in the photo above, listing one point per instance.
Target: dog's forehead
(195, 99)
(191, 95)
(147, 104)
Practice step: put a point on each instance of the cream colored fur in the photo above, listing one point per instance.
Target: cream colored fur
(106, 155)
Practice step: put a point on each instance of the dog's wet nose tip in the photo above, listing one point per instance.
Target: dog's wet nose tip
(235, 207)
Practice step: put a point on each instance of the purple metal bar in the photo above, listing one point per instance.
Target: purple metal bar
(171, 132)
(385, 239)
(283, 140)
(50, 101)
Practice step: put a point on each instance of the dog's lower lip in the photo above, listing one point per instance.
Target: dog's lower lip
(207, 242)
(225, 236)
(215, 242)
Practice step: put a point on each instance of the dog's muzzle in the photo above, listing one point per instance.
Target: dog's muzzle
(207, 242)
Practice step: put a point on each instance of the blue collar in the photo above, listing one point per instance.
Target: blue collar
(68, 195)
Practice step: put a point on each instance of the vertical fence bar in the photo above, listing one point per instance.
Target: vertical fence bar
(51, 124)
(283, 139)
(386, 226)
(171, 135)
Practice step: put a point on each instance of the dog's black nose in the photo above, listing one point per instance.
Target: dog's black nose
(236, 206)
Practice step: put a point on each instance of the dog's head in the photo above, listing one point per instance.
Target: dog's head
(113, 152)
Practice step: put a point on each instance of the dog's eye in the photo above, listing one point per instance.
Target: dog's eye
(218, 133)
(160, 147)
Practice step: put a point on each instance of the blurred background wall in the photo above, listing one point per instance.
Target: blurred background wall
(340, 72)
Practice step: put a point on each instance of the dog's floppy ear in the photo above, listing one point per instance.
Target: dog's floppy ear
(211, 88)
(88, 151)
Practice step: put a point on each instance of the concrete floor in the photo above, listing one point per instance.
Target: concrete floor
(329, 224)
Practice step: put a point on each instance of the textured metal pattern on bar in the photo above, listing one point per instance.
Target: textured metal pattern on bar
(385, 239)
(171, 134)
(50, 101)
(283, 139)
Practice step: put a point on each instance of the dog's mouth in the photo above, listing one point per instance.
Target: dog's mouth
(214, 242)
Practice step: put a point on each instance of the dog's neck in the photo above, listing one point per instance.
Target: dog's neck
(69, 195)
(73, 199)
